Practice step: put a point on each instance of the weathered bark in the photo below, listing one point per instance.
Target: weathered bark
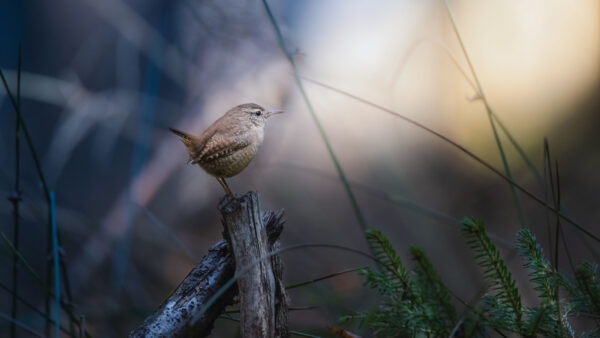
(180, 314)
(263, 307)
(281, 304)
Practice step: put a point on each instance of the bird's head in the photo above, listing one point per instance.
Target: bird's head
(253, 113)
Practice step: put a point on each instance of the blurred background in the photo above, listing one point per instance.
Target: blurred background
(102, 81)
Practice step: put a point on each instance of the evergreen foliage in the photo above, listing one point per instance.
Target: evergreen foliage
(416, 303)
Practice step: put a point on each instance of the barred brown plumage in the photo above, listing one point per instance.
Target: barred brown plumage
(230, 143)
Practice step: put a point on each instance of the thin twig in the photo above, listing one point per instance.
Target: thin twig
(462, 149)
(490, 116)
(444, 47)
(23, 261)
(56, 265)
(548, 183)
(557, 207)
(295, 333)
(398, 200)
(355, 207)
(470, 82)
(37, 277)
(152, 78)
(312, 281)
(15, 198)
(291, 308)
(247, 268)
(31, 306)
(23, 127)
(558, 231)
(21, 325)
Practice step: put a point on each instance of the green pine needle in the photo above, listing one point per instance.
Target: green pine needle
(587, 294)
(488, 256)
(434, 292)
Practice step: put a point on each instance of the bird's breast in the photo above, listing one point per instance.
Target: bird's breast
(236, 161)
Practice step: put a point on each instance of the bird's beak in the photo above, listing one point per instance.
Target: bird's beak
(273, 112)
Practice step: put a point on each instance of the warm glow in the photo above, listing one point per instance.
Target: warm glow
(534, 59)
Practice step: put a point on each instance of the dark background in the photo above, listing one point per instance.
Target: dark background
(102, 81)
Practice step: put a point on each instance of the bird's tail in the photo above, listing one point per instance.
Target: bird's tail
(184, 136)
(188, 140)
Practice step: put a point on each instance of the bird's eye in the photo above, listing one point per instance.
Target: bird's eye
(258, 113)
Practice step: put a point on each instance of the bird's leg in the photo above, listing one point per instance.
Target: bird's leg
(225, 186)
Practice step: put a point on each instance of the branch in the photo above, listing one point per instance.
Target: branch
(263, 306)
(180, 315)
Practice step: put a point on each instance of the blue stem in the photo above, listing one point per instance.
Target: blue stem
(138, 160)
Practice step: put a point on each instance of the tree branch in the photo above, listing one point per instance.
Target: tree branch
(179, 315)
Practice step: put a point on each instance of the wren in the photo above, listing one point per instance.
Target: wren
(230, 143)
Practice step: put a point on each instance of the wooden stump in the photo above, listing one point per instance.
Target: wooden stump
(180, 314)
(263, 307)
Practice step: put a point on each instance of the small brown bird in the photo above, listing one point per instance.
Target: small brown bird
(230, 143)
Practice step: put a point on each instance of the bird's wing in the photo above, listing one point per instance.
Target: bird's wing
(218, 146)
